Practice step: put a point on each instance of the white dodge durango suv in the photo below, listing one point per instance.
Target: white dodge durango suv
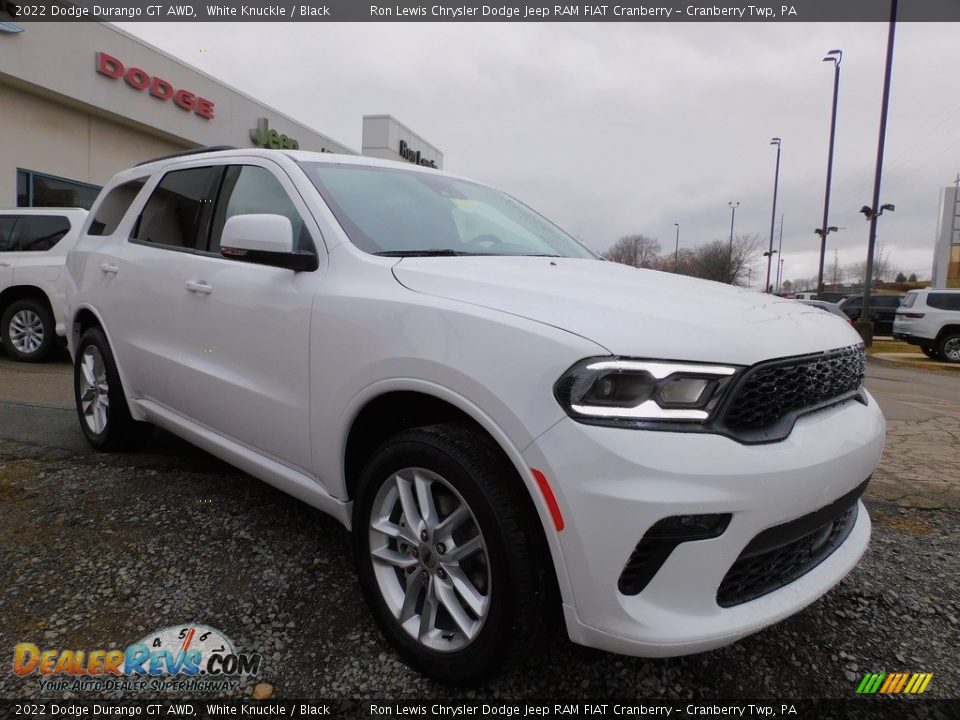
(512, 428)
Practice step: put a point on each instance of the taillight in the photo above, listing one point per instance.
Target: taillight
(915, 316)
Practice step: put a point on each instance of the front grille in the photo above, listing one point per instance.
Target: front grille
(780, 555)
(770, 395)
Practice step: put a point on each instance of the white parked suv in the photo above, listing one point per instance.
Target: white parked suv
(511, 427)
(930, 318)
(33, 249)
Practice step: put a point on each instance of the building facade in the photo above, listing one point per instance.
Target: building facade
(81, 101)
(946, 254)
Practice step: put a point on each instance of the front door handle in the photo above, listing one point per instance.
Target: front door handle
(108, 268)
(199, 287)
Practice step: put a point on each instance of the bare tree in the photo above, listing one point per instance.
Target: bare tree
(717, 261)
(883, 269)
(635, 250)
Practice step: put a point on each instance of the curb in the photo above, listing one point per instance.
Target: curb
(921, 363)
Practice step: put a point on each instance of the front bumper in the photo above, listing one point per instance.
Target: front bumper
(613, 484)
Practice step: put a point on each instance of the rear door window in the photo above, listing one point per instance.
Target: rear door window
(7, 223)
(38, 233)
(178, 212)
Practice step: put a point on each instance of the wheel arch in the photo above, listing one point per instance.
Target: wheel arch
(954, 328)
(12, 294)
(84, 317)
(413, 403)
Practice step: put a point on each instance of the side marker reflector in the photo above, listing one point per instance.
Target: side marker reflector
(549, 498)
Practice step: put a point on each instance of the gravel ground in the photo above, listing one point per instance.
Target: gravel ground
(99, 550)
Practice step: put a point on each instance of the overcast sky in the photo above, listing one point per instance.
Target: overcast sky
(618, 128)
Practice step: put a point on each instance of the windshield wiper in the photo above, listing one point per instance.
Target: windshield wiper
(439, 252)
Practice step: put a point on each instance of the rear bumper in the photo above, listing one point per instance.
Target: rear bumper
(613, 485)
(911, 338)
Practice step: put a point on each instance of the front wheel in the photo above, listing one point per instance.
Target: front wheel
(101, 404)
(930, 352)
(948, 347)
(450, 557)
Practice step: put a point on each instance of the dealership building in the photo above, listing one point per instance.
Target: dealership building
(81, 101)
(946, 254)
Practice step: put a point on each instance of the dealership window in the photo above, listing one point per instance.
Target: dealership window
(40, 190)
(178, 211)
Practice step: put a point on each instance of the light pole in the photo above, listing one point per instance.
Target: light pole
(773, 215)
(733, 214)
(779, 274)
(676, 252)
(834, 56)
(823, 232)
(865, 326)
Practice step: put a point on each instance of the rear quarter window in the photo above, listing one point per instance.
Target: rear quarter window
(38, 233)
(114, 206)
(909, 300)
(944, 301)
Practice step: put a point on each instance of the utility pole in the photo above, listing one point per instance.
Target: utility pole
(733, 214)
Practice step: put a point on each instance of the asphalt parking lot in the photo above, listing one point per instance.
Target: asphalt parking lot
(98, 550)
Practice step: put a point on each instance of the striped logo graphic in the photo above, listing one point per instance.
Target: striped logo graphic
(894, 683)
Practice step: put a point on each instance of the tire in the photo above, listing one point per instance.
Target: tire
(101, 404)
(930, 352)
(28, 330)
(507, 598)
(948, 347)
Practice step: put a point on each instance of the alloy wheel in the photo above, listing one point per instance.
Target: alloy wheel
(94, 389)
(951, 348)
(26, 331)
(430, 559)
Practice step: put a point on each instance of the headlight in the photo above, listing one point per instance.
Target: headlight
(620, 391)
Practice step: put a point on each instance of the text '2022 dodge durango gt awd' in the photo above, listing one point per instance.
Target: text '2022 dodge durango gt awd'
(511, 427)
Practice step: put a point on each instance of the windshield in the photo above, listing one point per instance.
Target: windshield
(397, 212)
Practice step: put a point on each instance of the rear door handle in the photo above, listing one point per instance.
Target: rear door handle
(199, 287)
(108, 268)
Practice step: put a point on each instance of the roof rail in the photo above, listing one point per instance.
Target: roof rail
(195, 151)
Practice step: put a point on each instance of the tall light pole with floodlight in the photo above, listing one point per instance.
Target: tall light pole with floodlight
(773, 215)
(834, 56)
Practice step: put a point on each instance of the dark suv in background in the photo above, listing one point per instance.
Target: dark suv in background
(883, 309)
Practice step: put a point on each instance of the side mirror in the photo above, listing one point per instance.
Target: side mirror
(264, 240)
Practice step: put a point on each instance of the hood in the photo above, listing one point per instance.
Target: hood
(633, 312)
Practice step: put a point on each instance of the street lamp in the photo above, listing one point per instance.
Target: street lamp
(733, 214)
(865, 324)
(676, 253)
(773, 215)
(834, 56)
(780, 274)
